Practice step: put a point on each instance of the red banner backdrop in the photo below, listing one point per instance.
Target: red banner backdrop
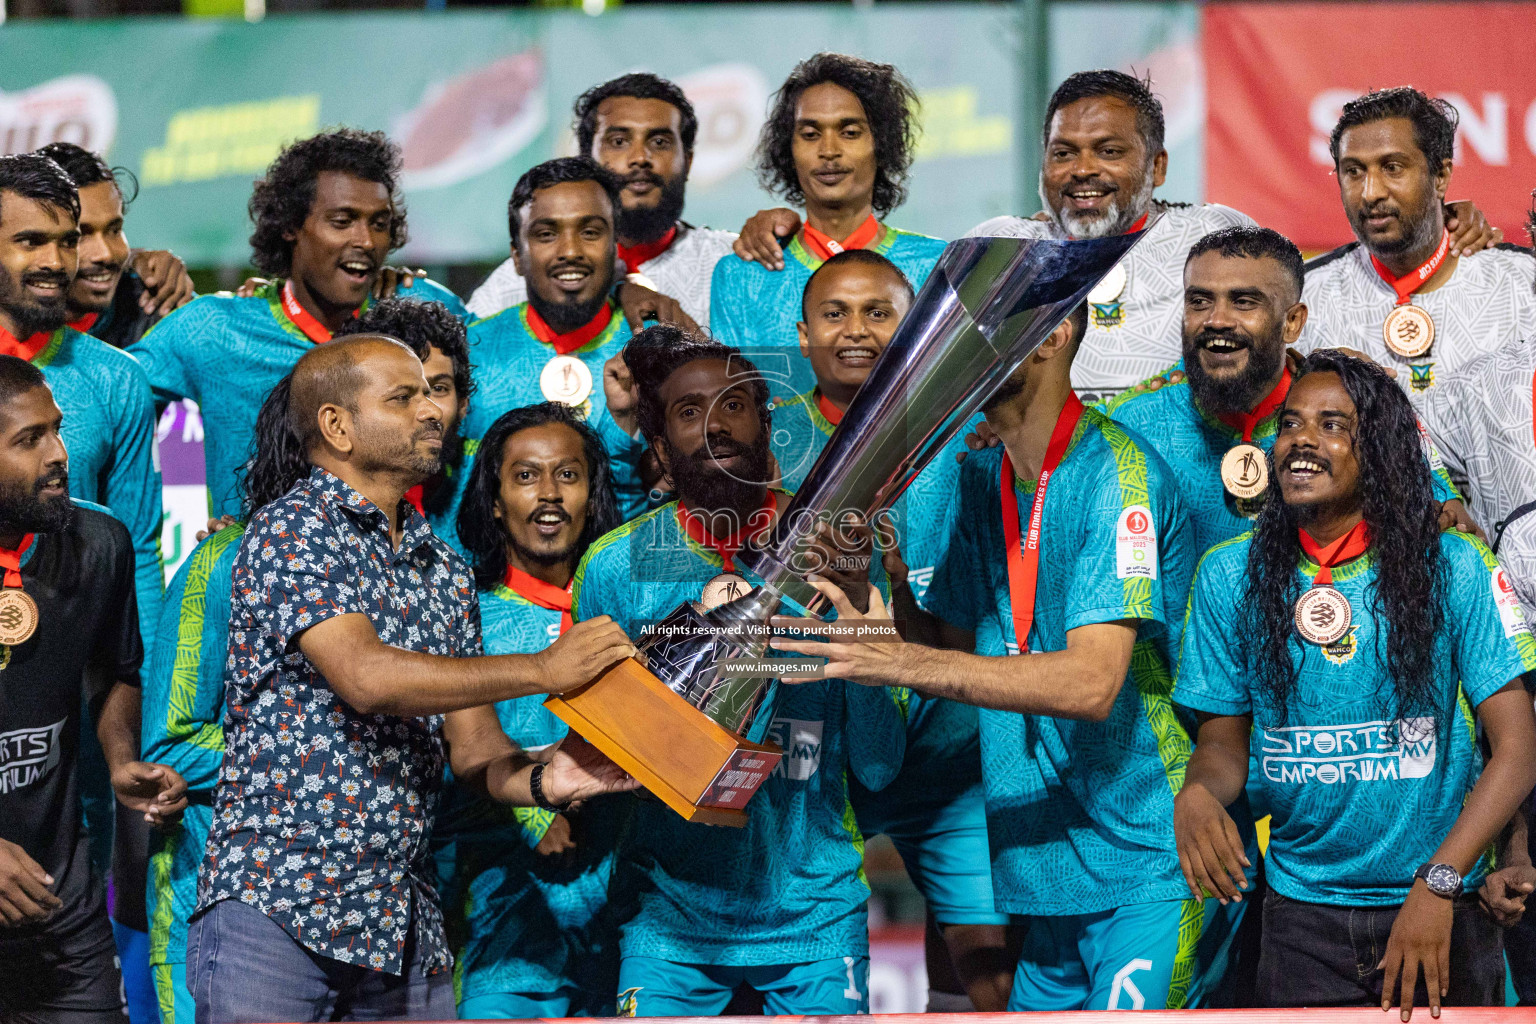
(1277, 76)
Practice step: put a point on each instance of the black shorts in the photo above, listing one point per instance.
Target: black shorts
(66, 970)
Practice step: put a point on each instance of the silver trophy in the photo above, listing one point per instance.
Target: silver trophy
(984, 309)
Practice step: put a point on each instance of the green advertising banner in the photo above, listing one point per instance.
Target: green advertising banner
(196, 109)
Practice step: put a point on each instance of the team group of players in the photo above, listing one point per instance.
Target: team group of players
(1221, 508)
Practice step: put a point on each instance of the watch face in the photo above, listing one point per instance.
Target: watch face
(1443, 879)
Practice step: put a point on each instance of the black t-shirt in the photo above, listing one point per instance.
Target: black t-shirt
(87, 638)
(124, 323)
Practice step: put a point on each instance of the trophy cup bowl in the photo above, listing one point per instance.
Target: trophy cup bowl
(676, 716)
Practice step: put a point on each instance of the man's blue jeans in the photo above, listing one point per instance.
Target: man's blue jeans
(242, 966)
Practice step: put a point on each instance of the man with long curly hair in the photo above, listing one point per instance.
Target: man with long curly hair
(838, 140)
(530, 902)
(326, 215)
(1345, 645)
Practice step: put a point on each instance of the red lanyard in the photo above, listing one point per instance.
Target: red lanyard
(416, 496)
(693, 525)
(546, 595)
(1352, 545)
(565, 344)
(1247, 421)
(824, 247)
(634, 255)
(1141, 223)
(1405, 285)
(28, 349)
(85, 323)
(1024, 552)
(313, 329)
(833, 414)
(11, 561)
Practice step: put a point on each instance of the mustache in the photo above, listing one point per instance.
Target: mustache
(57, 277)
(56, 478)
(97, 266)
(430, 429)
(1379, 209)
(723, 448)
(1207, 335)
(1293, 454)
(647, 176)
(546, 509)
(1102, 184)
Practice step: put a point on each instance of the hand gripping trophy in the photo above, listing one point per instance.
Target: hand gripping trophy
(676, 716)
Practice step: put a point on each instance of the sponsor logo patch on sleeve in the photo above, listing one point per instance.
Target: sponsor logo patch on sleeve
(1136, 544)
(1511, 614)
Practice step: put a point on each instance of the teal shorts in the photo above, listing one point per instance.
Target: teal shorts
(660, 988)
(171, 992)
(1150, 956)
(521, 1006)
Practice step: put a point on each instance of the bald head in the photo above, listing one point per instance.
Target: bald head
(335, 373)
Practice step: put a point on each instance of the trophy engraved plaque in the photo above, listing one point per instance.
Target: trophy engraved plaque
(676, 715)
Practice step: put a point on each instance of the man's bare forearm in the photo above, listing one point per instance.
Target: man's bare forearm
(117, 725)
(1080, 682)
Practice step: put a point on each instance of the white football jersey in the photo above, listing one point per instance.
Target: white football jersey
(1489, 299)
(1480, 417)
(683, 272)
(1139, 332)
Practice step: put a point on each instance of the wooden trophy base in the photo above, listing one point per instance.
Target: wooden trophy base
(699, 769)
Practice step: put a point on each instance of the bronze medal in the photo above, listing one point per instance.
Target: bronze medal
(1409, 331)
(1322, 616)
(18, 617)
(1245, 471)
(566, 379)
(723, 589)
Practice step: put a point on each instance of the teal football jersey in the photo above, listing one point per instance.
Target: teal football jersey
(1080, 814)
(183, 727)
(788, 887)
(527, 922)
(226, 353)
(1359, 797)
(756, 309)
(1192, 442)
(508, 359)
(940, 779)
(109, 430)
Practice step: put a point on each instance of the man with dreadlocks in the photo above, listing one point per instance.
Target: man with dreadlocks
(1347, 641)
(528, 900)
(839, 139)
(326, 215)
(779, 904)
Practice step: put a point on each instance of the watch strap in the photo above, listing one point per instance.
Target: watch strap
(536, 786)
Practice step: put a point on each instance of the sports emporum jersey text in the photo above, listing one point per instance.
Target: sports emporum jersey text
(1135, 334)
(1360, 795)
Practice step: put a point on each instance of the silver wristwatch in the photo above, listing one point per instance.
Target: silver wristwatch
(1442, 879)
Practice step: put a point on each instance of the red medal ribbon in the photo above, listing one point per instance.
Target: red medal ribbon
(1024, 552)
(1350, 546)
(416, 495)
(824, 247)
(1247, 421)
(313, 329)
(11, 561)
(565, 344)
(726, 547)
(1405, 285)
(545, 595)
(85, 323)
(833, 414)
(634, 255)
(28, 349)
(1140, 223)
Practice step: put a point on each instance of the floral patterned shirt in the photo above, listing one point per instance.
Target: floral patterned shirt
(321, 815)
